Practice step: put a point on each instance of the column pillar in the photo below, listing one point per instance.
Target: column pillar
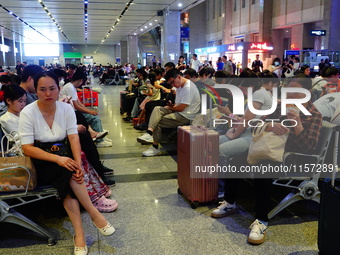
(227, 27)
(124, 52)
(331, 23)
(132, 49)
(244, 58)
(197, 27)
(297, 37)
(14, 54)
(170, 39)
(3, 42)
(20, 51)
(118, 53)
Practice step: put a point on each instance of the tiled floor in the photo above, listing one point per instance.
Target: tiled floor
(153, 219)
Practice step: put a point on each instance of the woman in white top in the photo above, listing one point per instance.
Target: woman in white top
(237, 140)
(15, 99)
(48, 120)
(275, 67)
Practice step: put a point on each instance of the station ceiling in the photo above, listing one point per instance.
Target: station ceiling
(64, 21)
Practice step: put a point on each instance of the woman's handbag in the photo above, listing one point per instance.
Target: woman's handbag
(266, 145)
(16, 170)
(289, 73)
(61, 148)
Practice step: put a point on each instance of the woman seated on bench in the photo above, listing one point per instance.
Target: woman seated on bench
(48, 120)
(303, 138)
(15, 99)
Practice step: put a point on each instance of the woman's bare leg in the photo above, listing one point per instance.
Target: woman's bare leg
(83, 197)
(71, 206)
(92, 132)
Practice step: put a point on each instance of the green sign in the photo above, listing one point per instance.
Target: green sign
(72, 55)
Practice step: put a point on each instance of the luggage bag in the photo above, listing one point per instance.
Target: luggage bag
(88, 97)
(198, 149)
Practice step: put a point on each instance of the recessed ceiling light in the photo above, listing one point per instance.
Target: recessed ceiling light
(180, 5)
(155, 20)
(150, 24)
(141, 29)
(146, 26)
(134, 33)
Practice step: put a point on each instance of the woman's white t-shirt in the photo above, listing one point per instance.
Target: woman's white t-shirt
(32, 125)
(263, 97)
(9, 122)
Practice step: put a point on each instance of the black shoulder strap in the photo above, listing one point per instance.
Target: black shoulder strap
(318, 82)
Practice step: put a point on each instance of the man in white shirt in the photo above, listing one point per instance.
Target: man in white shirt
(195, 63)
(228, 66)
(187, 105)
(91, 116)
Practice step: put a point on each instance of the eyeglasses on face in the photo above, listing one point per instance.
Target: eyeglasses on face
(172, 82)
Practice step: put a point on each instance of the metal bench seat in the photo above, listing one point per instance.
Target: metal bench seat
(19, 198)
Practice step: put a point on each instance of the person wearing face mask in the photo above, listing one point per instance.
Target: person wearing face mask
(275, 67)
(61, 74)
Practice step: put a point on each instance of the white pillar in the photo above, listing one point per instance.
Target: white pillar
(171, 37)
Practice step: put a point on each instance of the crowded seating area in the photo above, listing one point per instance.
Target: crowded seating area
(96, 136)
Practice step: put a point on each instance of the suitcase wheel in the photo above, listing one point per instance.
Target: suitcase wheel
(194, 204)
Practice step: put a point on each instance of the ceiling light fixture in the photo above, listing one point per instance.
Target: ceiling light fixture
(17, 33)
(18, 18)
(86, 2)
(54, 21)
(118, 19)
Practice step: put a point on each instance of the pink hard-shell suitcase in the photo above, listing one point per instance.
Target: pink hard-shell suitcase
(197, 149)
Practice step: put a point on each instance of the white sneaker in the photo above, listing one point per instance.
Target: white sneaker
(104, 144)
(220, 194)
(145, 139)
(224, 209)
(257, 233)
(107, 139)
(152, 151)
(105, 130)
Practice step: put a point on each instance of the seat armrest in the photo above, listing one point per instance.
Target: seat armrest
(299, 156)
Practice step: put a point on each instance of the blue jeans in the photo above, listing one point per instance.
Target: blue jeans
(135, 109)
(94, 121)
(230, 148)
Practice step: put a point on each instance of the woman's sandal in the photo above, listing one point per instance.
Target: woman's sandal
(105, 205)
(107, 230)
(79, 250)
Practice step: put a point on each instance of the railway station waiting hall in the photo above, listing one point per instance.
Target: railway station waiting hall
(169, 127)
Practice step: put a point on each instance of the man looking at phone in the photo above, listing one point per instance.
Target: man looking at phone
(184, 109)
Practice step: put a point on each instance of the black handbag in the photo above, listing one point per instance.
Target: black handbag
(61, 148)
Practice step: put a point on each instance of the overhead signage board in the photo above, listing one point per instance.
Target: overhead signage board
(318, 32)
